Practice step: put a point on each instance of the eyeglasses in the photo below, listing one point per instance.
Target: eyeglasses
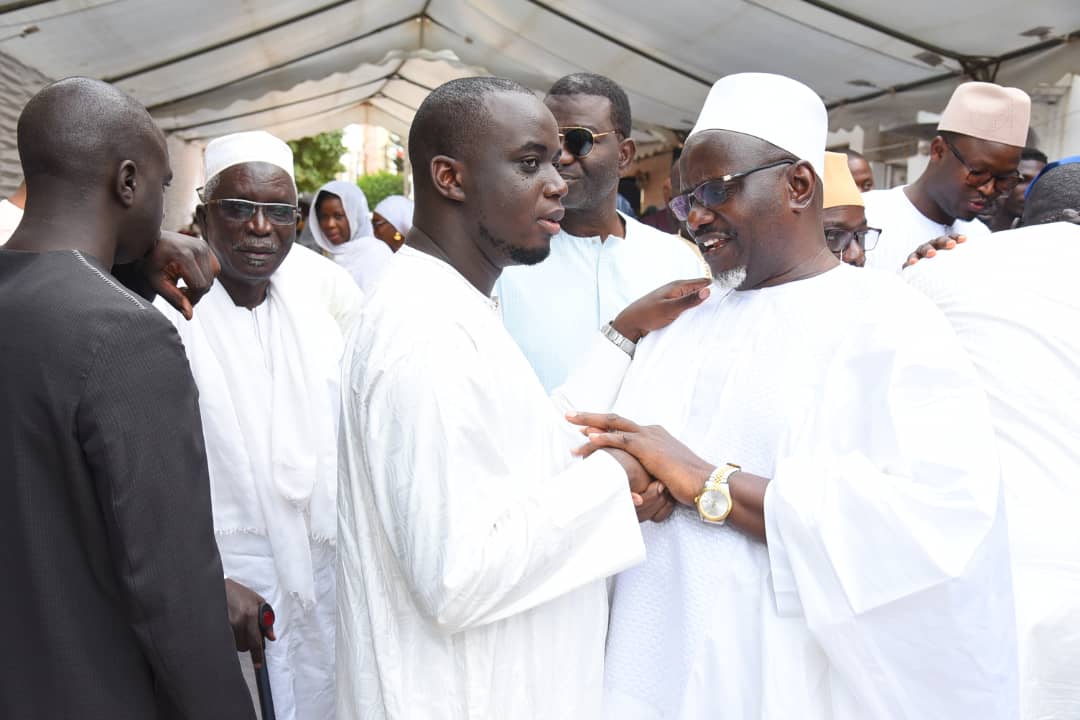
(978, 178)
(838, 240)
(237, 210)
(713, 193)
(579, 141)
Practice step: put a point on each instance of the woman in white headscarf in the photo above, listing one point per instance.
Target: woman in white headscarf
(340, 225)
(392, 220)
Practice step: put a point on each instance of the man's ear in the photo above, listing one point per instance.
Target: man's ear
(802, 183)
(937, 148)
(125, 183)
(447, 175)
(627, 153)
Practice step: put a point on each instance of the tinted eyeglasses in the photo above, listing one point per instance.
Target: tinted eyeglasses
(838, 240)
(237, 210)
(579, 141)
(714, 193)
(978, 178)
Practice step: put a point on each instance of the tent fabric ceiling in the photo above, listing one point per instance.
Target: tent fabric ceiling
(206, 68)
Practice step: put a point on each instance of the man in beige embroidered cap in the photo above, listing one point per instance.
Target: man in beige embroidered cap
(843, 213)
(973, 159)
(838, 548)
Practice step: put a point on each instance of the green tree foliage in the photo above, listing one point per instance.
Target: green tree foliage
(377, 186)
(317, 159)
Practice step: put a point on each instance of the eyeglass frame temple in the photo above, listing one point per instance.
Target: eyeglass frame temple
(956, 153)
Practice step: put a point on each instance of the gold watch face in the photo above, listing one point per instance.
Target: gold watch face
(714, 505)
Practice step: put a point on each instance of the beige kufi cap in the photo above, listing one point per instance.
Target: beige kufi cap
(988, 112)
(774, 108)
(245, 147)
(840, 187)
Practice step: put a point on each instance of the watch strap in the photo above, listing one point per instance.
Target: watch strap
(621, 341)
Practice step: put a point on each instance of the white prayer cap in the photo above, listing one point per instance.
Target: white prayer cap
(773, 108)
(245, 147)
(988, 112)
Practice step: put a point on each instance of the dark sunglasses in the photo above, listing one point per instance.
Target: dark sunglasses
(978, 178)
(579, 141)
(838, 240)
(237, 210)
(713, 193)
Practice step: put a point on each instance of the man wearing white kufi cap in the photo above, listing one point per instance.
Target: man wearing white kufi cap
(265, 350)
(839, 548)
(973, 160)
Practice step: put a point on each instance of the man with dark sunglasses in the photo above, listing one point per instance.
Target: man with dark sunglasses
(973, 160)
(601, 260)
(264, 348)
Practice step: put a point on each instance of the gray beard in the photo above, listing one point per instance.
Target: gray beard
(732, 278)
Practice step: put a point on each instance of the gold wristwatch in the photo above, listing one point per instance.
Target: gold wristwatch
(714, 503)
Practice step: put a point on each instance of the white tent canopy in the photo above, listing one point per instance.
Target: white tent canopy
(295, 67)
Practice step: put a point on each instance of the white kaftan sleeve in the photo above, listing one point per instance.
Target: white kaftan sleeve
(594, 384)
(487, 517)
(896, 554)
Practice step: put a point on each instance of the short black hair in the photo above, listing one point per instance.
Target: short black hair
(854, 154)
(452, 117)
(1030, 153)
(1052, 194)
(600, 86)
(78, 128)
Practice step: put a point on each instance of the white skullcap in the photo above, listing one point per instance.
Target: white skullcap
(773, 108)
(245, 147)
(988, 112)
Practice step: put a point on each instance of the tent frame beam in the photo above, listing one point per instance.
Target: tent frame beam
(224, 43)
(976, 70)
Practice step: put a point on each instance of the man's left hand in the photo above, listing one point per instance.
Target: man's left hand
(178, 257)
(660, 307)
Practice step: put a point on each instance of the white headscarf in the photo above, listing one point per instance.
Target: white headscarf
(398, 211)
(363, 255)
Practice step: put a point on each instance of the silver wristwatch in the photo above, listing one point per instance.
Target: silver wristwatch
(621, 341)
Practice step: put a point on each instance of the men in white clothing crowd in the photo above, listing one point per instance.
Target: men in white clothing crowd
(560, 464)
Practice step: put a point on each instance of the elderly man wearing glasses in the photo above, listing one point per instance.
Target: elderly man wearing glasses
(264, 349)
(601, 260)
(973, 160)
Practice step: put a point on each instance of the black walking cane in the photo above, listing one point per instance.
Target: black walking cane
(262, 676)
